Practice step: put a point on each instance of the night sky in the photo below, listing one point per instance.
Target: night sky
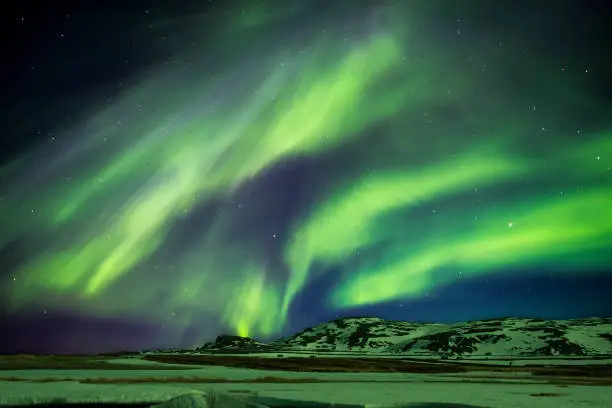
(175, 172)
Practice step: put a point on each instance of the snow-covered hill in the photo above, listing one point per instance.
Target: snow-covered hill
(236, 344)
(492, 337)
(507, 336)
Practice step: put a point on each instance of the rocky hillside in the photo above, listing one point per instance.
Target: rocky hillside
(507, 336)
(235, 344)
(494, 337)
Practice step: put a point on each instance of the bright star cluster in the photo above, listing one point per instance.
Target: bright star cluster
(371, 155)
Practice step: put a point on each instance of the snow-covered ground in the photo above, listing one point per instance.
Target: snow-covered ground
(495, 395)
(237, 374)
(539, 362)
(378, 389)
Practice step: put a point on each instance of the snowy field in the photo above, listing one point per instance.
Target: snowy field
(486, 389)
(374, 394)
(240, 374)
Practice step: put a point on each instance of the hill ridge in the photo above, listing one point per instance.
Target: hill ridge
(498, 336)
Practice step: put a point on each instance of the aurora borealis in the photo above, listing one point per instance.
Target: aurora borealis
(273, 162)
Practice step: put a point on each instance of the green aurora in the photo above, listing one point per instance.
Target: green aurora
(420, 163)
